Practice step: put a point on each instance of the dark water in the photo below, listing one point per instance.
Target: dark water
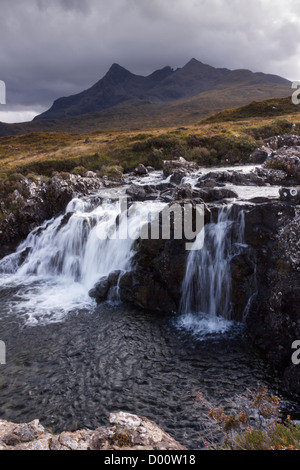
(73, 374)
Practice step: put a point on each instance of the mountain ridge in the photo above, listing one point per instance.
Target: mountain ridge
(165, 85)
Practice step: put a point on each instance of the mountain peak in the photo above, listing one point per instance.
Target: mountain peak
(195, 64)
(116, 71)
(194, 61)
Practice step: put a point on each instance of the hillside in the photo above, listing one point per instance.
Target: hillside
(267, 108)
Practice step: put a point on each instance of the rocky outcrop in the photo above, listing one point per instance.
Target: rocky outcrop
(287, 159)
(281, 153)
(126, 432)
(273, 322)
(261, 176)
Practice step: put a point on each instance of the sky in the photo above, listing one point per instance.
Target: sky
(55, 48)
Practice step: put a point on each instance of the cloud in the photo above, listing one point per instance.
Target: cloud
(54, 48)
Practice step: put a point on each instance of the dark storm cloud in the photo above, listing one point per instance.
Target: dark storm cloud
(53, 48)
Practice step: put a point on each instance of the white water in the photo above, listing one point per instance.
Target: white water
(68, 255)
(206, 292)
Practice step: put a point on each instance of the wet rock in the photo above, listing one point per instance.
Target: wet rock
(140, 289)
(102, 290)
(210, 183)
(137, 193)
(215, 194)
(273, 323)
(125, 432)
(185, 191)
(171, 166)
(218, 194)
(243, 284)
(178, 176)
(158, 269)
(140, 170)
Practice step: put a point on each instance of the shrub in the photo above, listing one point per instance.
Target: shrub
(256, 425)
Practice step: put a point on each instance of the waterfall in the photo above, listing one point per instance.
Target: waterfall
(62, 260)
(206, 292)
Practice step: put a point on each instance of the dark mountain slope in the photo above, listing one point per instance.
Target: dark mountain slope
(120, 86)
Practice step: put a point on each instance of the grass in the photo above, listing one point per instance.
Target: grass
(206, 142)
(271, 108)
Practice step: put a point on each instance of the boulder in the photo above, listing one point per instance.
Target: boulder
(171, 166)
(260, 155)
(140, 170)
(103, 289)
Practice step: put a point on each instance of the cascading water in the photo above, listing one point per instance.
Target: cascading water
(62, 260)
(206, 292)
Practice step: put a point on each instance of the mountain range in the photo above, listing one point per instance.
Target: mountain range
(163, 86)
(167, 97)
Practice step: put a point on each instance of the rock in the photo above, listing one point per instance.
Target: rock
(216, 194)
(260, 155)
(178, 176)
(290, 195)
(243, 284)
(158, 269)
(185, 191)
(170, 166)
(137, 193)
(100, 291)
(103, 290)
(287, 159)
(272, 230)
(140, 170)
(125, 432)
(90, 174)
(142, 290)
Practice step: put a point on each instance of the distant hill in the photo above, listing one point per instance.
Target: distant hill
(167, 97)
